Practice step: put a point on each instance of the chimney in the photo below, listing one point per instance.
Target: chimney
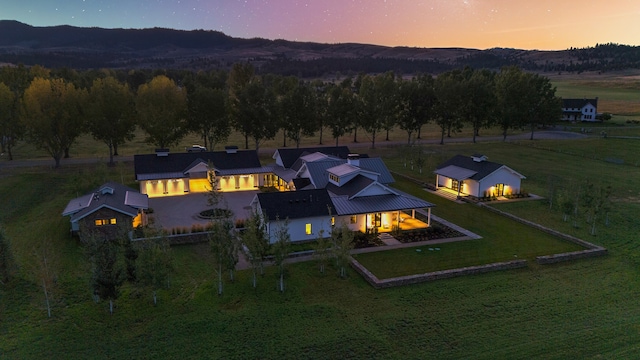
(162, 152)
(353, 159)
(232, 149)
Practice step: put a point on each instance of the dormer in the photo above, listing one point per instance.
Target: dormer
(341, 174)
(106, 190)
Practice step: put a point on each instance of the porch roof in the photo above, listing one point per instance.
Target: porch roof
(378, 203)
(455, 172)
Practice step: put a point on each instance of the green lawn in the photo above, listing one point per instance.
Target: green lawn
(585, 309)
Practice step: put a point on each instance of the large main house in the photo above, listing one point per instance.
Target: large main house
(316, 188)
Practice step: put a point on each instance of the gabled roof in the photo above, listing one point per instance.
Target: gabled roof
(343, 169)
(579, 103)
(351, 188)
(318, 172)
(295, 204)
(111, 195)
(289, 156)
(376, 165)
(148, 165)
(461, 167)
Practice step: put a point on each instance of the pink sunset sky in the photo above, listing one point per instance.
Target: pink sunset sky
(482, 24)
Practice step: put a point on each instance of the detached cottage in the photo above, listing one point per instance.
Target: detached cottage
(476, 176)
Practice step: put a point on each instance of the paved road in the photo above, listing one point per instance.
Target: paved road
(546, 134)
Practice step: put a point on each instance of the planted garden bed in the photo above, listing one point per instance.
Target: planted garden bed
(435, 231)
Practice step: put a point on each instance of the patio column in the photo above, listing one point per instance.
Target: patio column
(398, 218)
(413, 213)
(460, 183)
(437, 181)
(429, 217)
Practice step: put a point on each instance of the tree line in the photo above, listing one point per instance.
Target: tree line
(52, 108)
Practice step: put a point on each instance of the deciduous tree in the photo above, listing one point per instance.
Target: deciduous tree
(224, 246)
(11, 128)
(254, 238)
(107, 275)
(208, 115)
(52, 112)
(281, 249)
(154, 265)
(299, 111)
(342, 241)
(162, 107)
(111, 113)
(448, 89)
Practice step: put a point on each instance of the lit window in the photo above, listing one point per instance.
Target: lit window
(112, 221)
(333, 221)
(307, 229)
(99, 222)
(354, 219)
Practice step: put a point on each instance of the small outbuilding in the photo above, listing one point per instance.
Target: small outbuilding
(476, 176)
(110, 211)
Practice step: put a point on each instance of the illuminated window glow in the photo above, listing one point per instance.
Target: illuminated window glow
(101, 222)
(307, 229)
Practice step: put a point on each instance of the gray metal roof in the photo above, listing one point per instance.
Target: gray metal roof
(377, 165)
(244, 171)
(379, 203)
(455, 172)
(482, 168)
(318, 172)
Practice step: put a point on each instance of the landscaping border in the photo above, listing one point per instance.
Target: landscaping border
(436, 275)
(180, 239)
(592, 250)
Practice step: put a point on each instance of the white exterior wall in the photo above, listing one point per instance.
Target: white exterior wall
(297, 228)
(589, 113)
(501, 176)
(346, 219)
(469, 187)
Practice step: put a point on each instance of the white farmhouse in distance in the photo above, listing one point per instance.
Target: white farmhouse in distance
(579, 109)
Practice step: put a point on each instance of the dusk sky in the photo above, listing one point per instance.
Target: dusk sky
(482, 24)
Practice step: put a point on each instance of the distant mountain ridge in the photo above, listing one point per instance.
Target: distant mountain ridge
(76, 47)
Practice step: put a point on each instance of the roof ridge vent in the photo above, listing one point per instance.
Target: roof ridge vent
(479, 157)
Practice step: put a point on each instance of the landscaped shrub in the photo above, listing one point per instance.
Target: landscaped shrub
(240, 223)
(215, 213)
(364, 240)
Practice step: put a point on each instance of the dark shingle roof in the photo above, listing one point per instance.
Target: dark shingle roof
(179, 162)
(578, 103)
(301, 183)
(296, 204)
(482, 168)
(289, 156)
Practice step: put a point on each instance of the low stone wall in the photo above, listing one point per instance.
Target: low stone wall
(556, 258)
(592, 250)
(437, 275)
(181, 239)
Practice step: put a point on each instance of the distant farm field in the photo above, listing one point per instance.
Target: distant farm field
(618, 94)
